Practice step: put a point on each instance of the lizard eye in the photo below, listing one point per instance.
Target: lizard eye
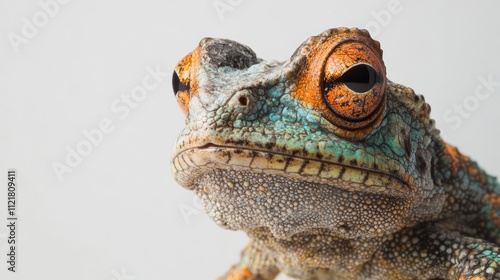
(353, 85)
(184, 81)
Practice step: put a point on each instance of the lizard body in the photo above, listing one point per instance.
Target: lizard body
(334, 171)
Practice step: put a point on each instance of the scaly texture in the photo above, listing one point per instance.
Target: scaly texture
(334, 171)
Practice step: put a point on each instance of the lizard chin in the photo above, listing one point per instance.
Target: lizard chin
(246, 189)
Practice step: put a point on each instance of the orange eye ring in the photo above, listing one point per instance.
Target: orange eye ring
(342, 75)
(184, 81)
(353, 85)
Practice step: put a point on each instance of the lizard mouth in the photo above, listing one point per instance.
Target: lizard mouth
(196, 160)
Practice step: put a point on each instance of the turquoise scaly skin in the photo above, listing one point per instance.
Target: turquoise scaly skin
(330, 189)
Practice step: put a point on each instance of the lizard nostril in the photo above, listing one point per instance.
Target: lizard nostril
(243, 101)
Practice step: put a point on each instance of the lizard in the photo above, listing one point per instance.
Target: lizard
(333, 170)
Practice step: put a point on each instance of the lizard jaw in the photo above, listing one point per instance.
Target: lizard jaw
(243, 189)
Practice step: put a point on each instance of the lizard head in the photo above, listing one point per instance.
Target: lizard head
(323, 142)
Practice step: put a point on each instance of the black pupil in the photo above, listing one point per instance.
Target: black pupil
(178, 85)
(175, 82)
(360, 78)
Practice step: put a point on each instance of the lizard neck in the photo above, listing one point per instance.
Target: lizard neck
(469, 191)
(322, 254)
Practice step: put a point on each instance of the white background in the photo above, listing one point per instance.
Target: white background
(117, 214)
